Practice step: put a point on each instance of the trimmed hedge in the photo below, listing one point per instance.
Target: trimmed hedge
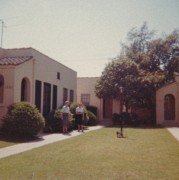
(93, 109)
(54, 121)
(130, 119)
(23, 118)
(91, 119)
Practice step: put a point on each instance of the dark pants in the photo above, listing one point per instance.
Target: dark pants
(79, 119)
(65, 120)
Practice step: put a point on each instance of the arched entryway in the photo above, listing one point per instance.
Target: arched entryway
(169, 107)
(1, 88)
(25, 89)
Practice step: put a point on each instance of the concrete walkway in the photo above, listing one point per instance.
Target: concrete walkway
(174, 131)
(43, 140)
(51, 138)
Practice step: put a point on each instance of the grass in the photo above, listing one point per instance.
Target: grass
(6, 141)
(145, 154)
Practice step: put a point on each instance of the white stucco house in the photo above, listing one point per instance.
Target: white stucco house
(86, 95)
(167, 104)
(106, 107)
(28, 75)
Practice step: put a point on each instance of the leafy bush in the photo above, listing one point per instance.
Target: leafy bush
(115, 118)
(130, 119)
(134, 119)
(73, 107)
(54, 121)
(91, 119)
(93, 109)
(23, 118)
(125, 118)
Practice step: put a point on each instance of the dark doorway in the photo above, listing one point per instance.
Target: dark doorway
(46, 99)
(54, 97)
(25, 90)
(1, 88)
(107, 108)
(38, 89)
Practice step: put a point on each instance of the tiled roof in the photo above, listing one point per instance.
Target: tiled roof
(14, 60)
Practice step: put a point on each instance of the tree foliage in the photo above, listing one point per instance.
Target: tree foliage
(144, 65)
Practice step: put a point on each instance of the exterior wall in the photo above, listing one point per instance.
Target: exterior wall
(46, 70)
(8, 74)
(87, 86)
(24, 70)
(173, 89)
(41, 68)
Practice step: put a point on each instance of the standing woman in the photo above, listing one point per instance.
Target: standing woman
(65, 111)
(80, 116)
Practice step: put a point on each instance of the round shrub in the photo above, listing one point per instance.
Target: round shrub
(54, 121)
(23, 118)
(115, 118)
(91, 119)
(73, 107)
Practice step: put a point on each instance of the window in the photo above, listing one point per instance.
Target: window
(71, 95)
(107, 108)
(54, 97)
(65, 95)
(1, 88)
(25, 90)
(38, 88)
(46, 98)
(169, 107)
(85, 99)
(58, 75)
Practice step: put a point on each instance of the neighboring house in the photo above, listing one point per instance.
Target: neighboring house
(167, 104)
(86, 95)
(105, 107)
(28, 75)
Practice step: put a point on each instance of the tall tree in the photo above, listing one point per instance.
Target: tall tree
(151, 54)
(138, 84)
(143, 66)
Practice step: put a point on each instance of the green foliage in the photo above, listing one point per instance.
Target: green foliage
(115, 118)
(23, 118)
(93, 109)
(129, 119)
(54, 121)
(73, 107)
(145, 64)
(91, 119)
(173, 67)
(123, 72)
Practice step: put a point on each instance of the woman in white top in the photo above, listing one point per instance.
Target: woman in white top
(65, 111)
(80, 116)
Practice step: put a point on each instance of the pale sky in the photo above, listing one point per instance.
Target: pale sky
(82, 34)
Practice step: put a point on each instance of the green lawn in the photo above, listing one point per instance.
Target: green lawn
(9, 141)
(145, 154)
(4, 143)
